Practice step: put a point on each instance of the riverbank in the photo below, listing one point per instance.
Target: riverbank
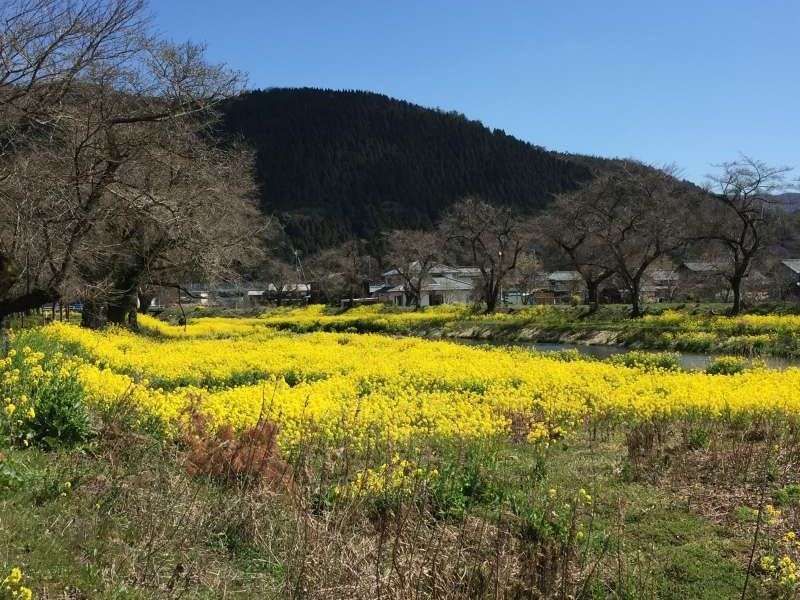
(681, 328)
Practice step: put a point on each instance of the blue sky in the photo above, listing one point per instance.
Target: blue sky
(694, 83)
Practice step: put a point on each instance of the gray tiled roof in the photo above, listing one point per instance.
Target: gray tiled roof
(703, 267)
(793, 264)
(564, 276)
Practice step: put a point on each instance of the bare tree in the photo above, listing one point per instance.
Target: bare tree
(570, 226)
(340, 272)
(87, 99)
(194, 216)
(635, 216)
(412, 254)
(281, 278)
(738, 215)
(528, 273)
(48, 49)
(488, 237)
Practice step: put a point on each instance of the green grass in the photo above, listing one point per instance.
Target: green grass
(123, 519)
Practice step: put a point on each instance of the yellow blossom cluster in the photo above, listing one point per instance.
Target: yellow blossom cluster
(11, 587)
(382, 318)
(399, 476)
(741, 324)
(362, 386)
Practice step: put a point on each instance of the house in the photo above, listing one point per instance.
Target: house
(707, 281)
(444, 284)
(701, 280)
(660, 285)
(241, 295)
(565, 285)
(533, 289)
(786, 277)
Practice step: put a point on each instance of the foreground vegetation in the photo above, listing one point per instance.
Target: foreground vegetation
(229, 458)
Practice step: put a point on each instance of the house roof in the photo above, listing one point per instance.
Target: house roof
(792, 264)
(564, 276)
(663, 275)
(463, 271)
(441, 284)
(441, 268)
(434, 284)
(703, 267)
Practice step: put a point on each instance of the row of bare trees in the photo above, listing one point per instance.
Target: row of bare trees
(110, 179)
(493, 239)
(618, 227)
(622, 223)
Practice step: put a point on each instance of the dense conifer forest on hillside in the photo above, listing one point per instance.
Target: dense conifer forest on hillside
(343, 164)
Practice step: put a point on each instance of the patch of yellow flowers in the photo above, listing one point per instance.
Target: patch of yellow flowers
(11, 587)
(389, 318)
(362, 386)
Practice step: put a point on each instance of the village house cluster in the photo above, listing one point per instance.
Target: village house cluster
(688, 281)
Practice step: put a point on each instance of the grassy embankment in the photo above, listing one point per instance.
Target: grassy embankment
(230, 459)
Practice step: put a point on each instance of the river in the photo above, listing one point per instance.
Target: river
(688, 361)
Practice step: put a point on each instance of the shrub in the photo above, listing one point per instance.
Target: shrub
(61, 415)
(43, 399)
(648, 361)
(726, 365)
(230, 456)
(788, 495)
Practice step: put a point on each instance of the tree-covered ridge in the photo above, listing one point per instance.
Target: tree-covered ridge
(344, 164)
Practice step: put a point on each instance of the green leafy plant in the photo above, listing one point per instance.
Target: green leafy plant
(726, 365)
(648, 361)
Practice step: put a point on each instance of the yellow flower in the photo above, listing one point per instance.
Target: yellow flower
(10, 409)
(31, 414)
(24, 593)
(773, 514)
(238, 370)
(767, 564)
(14, 577)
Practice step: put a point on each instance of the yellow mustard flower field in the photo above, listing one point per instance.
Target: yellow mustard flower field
(360, 460)
(369, 385)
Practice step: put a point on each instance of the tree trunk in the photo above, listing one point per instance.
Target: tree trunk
(736, 288)
(636, 308)
(122, 310)
(491, 299)
(593, 294)
(92, 315)
(145, 300)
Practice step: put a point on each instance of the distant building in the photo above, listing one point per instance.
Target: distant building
(565, 285)
(660, 285)
(699, 280)
(786, 277)
(244, 294)
(444, 284)
(707, 281)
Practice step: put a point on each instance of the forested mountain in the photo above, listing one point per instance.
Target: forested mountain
(337, 165)
(789, 201)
